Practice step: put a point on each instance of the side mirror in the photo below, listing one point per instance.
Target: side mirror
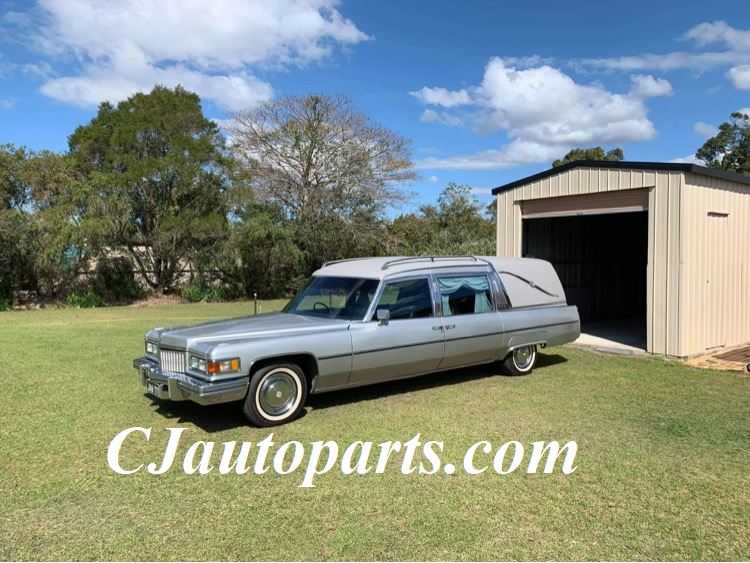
(383, 315)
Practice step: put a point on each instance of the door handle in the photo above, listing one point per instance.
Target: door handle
(448, 327)
(437, 328)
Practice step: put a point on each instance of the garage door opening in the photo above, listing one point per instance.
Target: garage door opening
(601, 259)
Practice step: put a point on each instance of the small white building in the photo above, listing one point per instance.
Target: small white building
(668, 244)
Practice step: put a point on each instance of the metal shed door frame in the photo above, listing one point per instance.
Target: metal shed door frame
(620, 201)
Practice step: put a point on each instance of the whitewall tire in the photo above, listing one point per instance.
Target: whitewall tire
(520, 361)
(276, 395)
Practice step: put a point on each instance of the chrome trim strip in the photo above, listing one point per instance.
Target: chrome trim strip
(398, 347)
(474, 336)
(432, 259)
(526, 329)
(334, 356)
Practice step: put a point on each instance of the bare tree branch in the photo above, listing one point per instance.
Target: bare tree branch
(317, 155)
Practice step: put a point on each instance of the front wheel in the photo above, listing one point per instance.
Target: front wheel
(520, 361)
(276, 395)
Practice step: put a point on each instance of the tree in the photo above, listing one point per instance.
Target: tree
(15, 234)
(730, 149)
(455, 226)
(328, 166)
(42, 211)
(157, 169)
(595, 153)
(459, 211)
(63, 230)
(269, 262)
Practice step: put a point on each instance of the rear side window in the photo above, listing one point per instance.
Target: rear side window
(465, 295)
(408, 299)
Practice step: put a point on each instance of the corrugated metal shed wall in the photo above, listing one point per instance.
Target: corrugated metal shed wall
(663, 311)
(715, 256)
(662, 283)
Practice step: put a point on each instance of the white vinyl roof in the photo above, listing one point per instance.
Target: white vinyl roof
(519, 275)
(380, 267)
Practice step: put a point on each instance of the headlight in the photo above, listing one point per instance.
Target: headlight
(198, 364)
(152, 349)
(216, 366)
(224, 366)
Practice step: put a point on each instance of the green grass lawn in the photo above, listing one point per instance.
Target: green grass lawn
(663, 462)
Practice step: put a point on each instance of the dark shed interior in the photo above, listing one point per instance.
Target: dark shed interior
(601, 260)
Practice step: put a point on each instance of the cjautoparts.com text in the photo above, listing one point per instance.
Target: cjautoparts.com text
(320, 457)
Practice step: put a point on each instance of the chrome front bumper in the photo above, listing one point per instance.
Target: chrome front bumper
(175, 386)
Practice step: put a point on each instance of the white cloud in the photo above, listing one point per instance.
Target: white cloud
(213, 48)
(515, 154)
(442, 97)
(229, 91)
(546, 106)
(444, 118)
(646, 86)
(666, 62)
(434, 179)
(735, 54)
(705, 130)
(740, 77)
(746, 111)
(41, 70)
(710, 33)
(689, 159)
(7, 103)
(545, 113)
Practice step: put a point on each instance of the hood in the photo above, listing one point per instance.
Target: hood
(268, 325)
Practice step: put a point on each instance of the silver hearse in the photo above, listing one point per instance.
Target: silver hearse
(363, 321)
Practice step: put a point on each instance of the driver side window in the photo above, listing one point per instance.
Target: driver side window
(407, 299)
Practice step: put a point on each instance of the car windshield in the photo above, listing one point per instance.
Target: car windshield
(334, 298)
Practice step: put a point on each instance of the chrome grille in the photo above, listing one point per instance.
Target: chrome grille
(172, 360)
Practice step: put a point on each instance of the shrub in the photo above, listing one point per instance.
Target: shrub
(4, 304)
(79, 300)
(201, 293)
(115, 280)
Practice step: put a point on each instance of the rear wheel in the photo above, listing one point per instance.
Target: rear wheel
(276, 395)
(520, 361)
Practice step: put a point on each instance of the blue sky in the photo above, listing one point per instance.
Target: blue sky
(487, 91)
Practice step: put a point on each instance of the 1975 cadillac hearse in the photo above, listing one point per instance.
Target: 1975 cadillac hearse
(363, 321)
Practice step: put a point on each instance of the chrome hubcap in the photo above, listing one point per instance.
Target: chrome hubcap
(277, 394)
(523, 357)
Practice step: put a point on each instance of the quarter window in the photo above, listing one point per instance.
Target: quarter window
(408, 299)
(465, 295)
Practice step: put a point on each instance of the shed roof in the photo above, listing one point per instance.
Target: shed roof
(657, 166)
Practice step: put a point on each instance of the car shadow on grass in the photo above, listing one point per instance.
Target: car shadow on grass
(545, 360)
(211, 418)
(227, 416)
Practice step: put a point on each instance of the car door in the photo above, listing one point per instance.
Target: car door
(473, 328)
(410, 342)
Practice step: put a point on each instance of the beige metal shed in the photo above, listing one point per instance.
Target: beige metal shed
(665, 243)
